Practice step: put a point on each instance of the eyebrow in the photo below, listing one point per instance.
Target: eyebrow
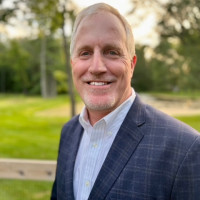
(105, 46)
(83, 48)
(112, 46)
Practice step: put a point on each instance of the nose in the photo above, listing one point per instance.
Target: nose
(97, 65)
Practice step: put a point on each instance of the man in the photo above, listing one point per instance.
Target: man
(119, 148)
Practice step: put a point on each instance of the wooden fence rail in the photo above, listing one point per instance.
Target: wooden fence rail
(27, 169)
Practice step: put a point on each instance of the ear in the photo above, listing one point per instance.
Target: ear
(133, 62)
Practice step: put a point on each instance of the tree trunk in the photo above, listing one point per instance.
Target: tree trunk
(3, 80)
(68, 68)
(51, 86)
(43, 78)
(69, 75)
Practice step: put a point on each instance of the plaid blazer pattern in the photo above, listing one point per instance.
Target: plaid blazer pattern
(153, 157)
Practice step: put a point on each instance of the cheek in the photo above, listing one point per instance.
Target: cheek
(128, 70)
(122, 70)
(76, 75)
(78, 69)
(117, 68)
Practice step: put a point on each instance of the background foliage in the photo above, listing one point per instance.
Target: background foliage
(172, 65)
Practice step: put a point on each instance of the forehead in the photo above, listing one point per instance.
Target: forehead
(100, 27)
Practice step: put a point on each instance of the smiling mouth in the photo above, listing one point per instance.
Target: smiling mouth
(98, 83)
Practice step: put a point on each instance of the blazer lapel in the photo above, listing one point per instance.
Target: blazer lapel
(71, 144)
(121, 150)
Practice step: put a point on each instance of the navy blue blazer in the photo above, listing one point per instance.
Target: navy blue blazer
(153, 157)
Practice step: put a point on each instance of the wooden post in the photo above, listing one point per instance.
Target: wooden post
(27, 169)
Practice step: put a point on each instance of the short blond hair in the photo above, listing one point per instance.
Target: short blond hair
(97, 8)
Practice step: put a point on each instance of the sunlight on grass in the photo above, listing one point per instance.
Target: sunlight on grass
(24, 134)
(193, 121)
(25, 190)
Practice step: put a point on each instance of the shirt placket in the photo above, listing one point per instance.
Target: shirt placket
(93, 152)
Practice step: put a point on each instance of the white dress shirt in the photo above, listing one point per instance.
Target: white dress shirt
(94, 147)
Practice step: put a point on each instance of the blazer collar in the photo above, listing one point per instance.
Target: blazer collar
(124, 145)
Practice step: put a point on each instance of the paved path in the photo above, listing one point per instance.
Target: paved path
(174, 107)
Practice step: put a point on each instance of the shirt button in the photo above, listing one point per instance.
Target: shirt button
(109, 133)
(87, 183)
(95, 145)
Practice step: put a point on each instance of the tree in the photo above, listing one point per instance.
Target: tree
(3, 68)
(142, 78)
(71, 14)
(53, 59)
(14, 68)
(40, 15)
(57, 14)
(181, 23)
(175, 59)
(5, 13)
(49, 17)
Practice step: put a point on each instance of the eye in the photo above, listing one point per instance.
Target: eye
(111, 52)
(85, 53)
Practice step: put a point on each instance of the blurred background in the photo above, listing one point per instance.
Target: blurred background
(36, 90)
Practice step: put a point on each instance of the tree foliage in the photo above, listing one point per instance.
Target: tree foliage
(20, 65)
(51, 16)
(172, 65)
(175, 61)
(47, 18)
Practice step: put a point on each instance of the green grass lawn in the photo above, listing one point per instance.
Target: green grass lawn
(25, 132)
(25, 190)
(193, 121)
(30, 128)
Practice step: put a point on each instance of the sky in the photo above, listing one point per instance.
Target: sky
(122, 5)
(144, 33)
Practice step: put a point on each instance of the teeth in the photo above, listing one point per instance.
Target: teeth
(98, 83)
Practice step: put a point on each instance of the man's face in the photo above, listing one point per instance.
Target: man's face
(101, 66)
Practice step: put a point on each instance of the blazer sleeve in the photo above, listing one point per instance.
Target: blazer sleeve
(54, 191)
(187, 181)
(54, 187)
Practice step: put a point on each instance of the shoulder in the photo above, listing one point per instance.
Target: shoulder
(170, 146)
(70, 131)
(70, 126)
(163, 128)
(158, 119)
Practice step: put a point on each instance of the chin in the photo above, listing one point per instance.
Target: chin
(99, 104)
